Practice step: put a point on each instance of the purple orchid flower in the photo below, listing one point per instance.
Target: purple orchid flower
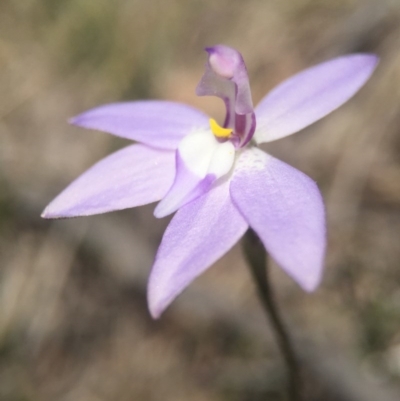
(216, 177)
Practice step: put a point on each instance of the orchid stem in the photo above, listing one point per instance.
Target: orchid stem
(257, 260)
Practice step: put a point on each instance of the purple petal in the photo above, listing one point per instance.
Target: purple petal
(286, 210)
(160, 124)
(310, 95)
(133, 176)
(198, 235)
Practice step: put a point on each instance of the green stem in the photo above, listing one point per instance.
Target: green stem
(257, 260)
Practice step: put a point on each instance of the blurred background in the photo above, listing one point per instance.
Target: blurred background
(74, 323)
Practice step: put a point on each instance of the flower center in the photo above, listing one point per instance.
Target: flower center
(219, 131)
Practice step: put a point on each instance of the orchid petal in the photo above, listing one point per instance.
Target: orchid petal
(160, 124)
(186, 187)
(198, 235)
(285, 209)
(133, 176)
(310, 95)
(200, 160)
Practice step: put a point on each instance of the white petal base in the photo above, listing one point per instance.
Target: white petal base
(200, 161)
